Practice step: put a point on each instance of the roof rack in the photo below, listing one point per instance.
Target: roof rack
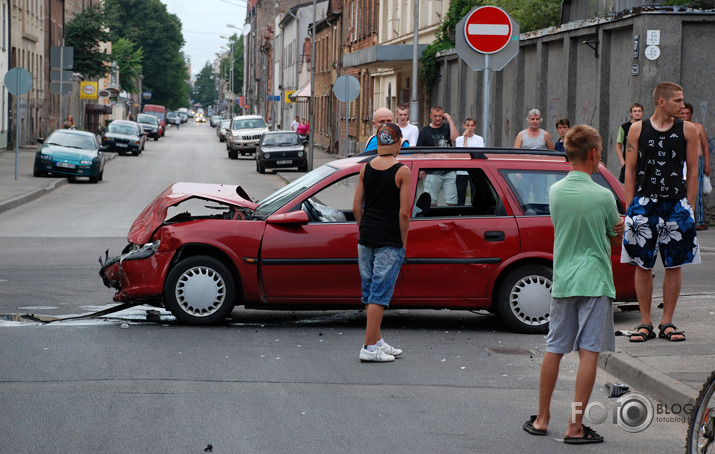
(475, 153)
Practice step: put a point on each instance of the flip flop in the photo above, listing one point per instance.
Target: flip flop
(529, 427)
(589, 436)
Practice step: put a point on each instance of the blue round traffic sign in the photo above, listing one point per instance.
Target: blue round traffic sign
(18, 81)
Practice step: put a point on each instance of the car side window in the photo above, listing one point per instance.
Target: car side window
(333, 203)
(531, 188)
(456, 192)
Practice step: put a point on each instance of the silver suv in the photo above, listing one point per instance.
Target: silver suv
(244, 134)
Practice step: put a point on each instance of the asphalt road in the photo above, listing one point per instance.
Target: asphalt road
(273, 382)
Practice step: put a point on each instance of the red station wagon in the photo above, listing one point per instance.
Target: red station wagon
(201, 249)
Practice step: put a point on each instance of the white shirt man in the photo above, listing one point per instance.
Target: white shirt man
(410, 132)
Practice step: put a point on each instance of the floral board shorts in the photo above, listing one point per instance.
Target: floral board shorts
(668, 225)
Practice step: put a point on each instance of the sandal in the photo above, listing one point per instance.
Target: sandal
(589, 436)
(639, 336)
(529, 427)
(669, 335)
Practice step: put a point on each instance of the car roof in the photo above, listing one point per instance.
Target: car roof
(280, 132)
(252, 117)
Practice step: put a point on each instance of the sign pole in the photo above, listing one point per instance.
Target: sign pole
(17, 127)
(485, 101)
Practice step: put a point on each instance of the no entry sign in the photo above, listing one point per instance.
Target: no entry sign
(488, 29)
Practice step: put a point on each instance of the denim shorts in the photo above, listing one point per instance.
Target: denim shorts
(379, 268)
(581, 322)
(667, 225)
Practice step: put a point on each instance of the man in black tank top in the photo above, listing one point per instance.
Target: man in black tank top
(659, 215)
(382, 210)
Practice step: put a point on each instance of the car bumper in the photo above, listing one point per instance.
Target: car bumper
(248, 146)
(122, 148)
(61, 168)
(283, 162)
(137, 274)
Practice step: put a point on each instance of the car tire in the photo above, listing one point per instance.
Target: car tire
(525, 299)
(96, 179)
(200, 290)
(37, 173)
(232, 154)
(156, 138)
(261, 167)
(135, 153)
(303, 167)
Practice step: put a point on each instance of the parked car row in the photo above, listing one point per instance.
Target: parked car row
(74, 153)
(295, 249)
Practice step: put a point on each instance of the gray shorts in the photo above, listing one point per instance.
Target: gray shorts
(581, 322)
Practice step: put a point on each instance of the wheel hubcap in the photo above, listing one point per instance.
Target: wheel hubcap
(201, 291)
(530, 299)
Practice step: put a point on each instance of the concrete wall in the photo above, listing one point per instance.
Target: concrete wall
(558, 74)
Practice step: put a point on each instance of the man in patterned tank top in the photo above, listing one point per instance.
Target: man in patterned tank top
(660, 214)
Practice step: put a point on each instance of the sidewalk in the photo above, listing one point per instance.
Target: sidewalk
(671, 372)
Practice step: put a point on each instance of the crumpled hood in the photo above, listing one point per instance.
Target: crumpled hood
(155, 213)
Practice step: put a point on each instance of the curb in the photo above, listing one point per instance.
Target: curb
(32, 195)
(647, 379)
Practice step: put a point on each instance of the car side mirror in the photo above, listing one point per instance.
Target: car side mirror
(103, 148)
(298, 217)
(40, 140)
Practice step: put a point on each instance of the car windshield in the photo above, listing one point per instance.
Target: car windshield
(69, 140)
(273, 202)
(225, 124)
(252, 123)
(281, 140)
(122, 129)
(157, 115)
(146, 119)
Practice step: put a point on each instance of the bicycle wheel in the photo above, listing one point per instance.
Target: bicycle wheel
(701, 428)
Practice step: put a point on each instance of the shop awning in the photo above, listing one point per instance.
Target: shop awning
(303, 92)
(97, 109)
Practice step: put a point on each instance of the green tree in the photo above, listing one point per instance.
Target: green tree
(129, 62)
(205, 87)
(85, 32)
(225, 71)
(158, 33)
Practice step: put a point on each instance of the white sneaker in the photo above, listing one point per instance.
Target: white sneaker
(390, 350)
(377, 356)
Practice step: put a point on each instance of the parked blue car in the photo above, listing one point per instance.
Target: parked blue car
(72, 153)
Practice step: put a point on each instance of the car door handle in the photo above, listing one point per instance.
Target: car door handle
(494, 236)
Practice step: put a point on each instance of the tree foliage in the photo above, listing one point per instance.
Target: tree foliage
(158, 33)
(530, 14)
(129, 62)
(205, 87)
(225, 65)
(85, 32)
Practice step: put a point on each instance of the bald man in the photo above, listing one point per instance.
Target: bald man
(380, 117)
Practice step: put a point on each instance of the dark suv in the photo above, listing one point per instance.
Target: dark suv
(151, 125)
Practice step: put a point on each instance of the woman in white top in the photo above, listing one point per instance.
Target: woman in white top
(467, 139)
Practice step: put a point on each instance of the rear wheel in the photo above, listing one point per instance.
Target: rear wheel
(701, 428)
(525, 299)
(200, 290)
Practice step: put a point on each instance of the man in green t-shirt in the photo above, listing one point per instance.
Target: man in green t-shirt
(586, 226)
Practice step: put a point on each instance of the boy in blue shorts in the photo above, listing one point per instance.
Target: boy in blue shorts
(586, 226)
(659, 214)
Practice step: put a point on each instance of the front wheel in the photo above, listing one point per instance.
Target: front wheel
(200, 290)
(701, 429)
(525, 299)
(232, 154)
